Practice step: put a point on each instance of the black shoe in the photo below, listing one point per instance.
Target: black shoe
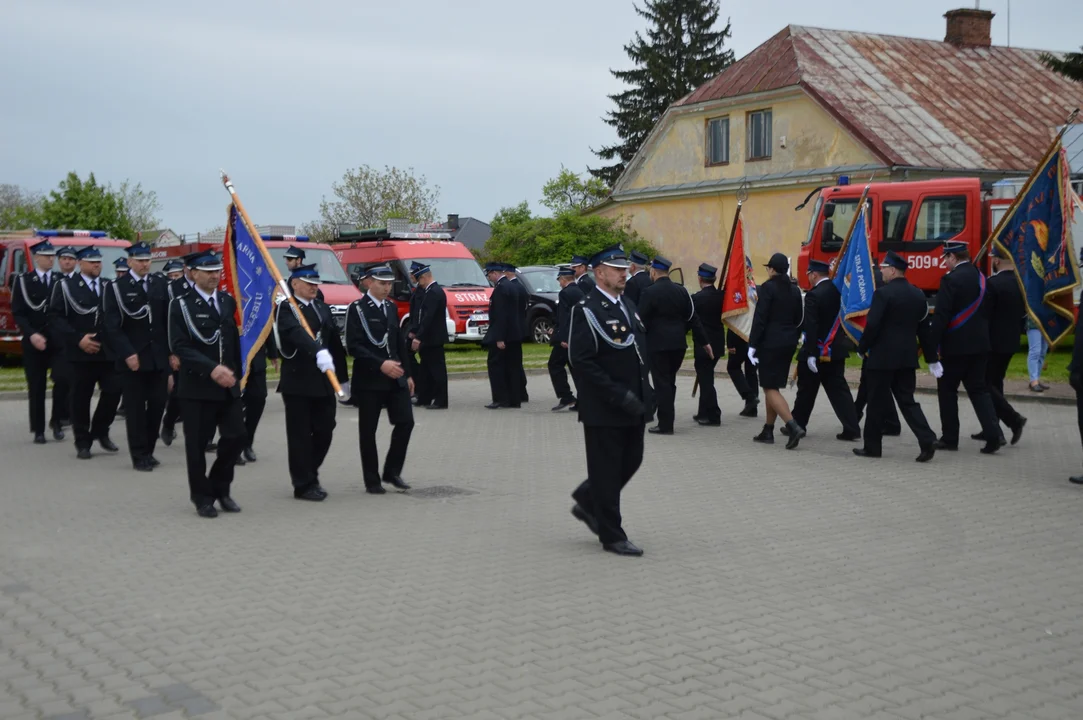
(375, 490)
(751, 410)
(240, 461)
(991, 447)
(585, 517)
(784, 430)
(893, 432)
(310, 493)
(168, 435)
(39, 438)
(766, 436)
(941, 445)
(981, 436)
(1017, 431)
(397, 483)
(796, 433)
(1076, 479)
(142, 465)
(563, 404)
(695, 418)
(153, 461)
(83, 453)
(249, 455)
(207, 511)
(862, 452)
(624, 547)
(228, 505)
(495, 406)
(848, 437)
(656, 430)
(926, 454)
(574, 406)
(436, 407)
(107, 444)
(58, 433)
(709, 423)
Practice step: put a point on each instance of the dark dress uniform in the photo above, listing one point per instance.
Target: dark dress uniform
(1007, 312)
(504, 365)
(179, 287)
(30, 305)
(62, 372)
(412, 365)
(585, 283)
(306, 392)
(254, 396)
(74, 313)
(742, 372)
(136, 323)
(890, 345)
(203, 335)
(372, 338)
(668, 313)
(432, 332)
(822, 305)
(558, 355)
(775, 330)
(607, 349)
(1075, 379)
(633, 289)
(522, 301)
(892, 424)
(708, 302)
(959, 339)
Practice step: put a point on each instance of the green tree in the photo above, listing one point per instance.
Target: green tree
(86, 205)
(1070, 65)
(140, 207)
(682, 51)
(19, 209)
(569, 193)
(367, 197)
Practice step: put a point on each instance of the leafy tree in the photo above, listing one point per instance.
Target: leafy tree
(569, 193)
(19, 208)
(318, 231)
(78, 204)
(367, 197)
(524, 240)
(1070, 66)
(681, 52)
(140, 207)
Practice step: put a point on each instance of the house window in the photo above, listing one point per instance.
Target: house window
(940, 219)
(718, 141)
(759, 135)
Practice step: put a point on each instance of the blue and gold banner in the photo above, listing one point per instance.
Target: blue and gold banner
(252, 284)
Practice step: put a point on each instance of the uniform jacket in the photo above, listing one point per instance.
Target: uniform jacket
(567, 299)
(76, 311)
(1007, 312)
(1075, 366)
(669, 313)
(890, 339)
(503, 316)
(299, 374)
(633, 289)
(146, 336)
(776, 324)
(430, 324)
(958, 290)
(178, 288)
(586, 283)
(822, 305)
(605, 374)
(199, 358)
(382, 323)
(30, 303)
(708, 302)
(522, 300)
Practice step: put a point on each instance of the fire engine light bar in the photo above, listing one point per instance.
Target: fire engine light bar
(286, 238)
(71, 233)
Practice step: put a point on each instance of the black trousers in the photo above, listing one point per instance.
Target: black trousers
(1079, 412)
(742, 372)
(401, 415)
(145, 394)
(85, 376)
(506, 374)
(421, 385)
(558, 374)
(201, 418)
(172, 408)
(900, 384)
(892, 424)
(36, 368)
(995, 370)
(254, 398)
(434, 375)
(832, 377)
(614, 454)
(310, 424)
(708, 396)
(970, 371)
(664, 367)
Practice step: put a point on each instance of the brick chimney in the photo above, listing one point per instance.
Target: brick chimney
(969, 28)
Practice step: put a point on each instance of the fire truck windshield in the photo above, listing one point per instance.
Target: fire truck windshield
(327, 264)
(109, 255)
(455, 272)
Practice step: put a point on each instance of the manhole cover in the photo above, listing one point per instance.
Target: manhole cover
(438, 491)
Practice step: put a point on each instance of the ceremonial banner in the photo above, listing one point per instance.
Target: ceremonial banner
(1037, 234)
(246, 277)
(739, 288)
(856, 282)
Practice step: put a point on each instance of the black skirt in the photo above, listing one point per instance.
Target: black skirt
(774, 367)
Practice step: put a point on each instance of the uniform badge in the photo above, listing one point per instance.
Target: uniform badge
(605, 304)
(623, 328)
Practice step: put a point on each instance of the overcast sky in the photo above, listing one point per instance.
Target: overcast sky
(485, 97)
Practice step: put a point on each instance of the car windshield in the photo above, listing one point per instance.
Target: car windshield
(324, 258)
(455, 272)
(542, 281)
(109, 254)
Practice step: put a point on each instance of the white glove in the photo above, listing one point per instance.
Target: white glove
(324, 361)
(752, 356)
(937, 370)
(812, 364)
(345, 399)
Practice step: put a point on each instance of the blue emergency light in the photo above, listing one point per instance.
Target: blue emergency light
(844, 179)
(286, 238)
(71, 233)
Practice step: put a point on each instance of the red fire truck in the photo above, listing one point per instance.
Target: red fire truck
(453, 266)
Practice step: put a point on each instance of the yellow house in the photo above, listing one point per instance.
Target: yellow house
(811, 105)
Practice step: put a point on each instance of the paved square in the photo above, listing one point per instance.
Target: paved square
(776, 585)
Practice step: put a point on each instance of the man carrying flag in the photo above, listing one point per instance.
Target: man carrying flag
(738, 308)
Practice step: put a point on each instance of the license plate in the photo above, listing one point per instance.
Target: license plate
(482, 329)
(480, 317)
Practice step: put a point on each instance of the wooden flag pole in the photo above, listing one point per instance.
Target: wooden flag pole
(850, 232)
(726, 263)
(279, 280)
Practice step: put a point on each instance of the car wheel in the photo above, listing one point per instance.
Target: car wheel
(542, 329)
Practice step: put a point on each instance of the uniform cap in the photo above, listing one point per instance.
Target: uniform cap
(779, 263)
(295, 253)
(565, 271)
(707, 271)
(954, 247)
(579, 260)
(67, 251)
(121, 263)
(893, 260)
(89, 254)
(418, 269)
(207, 261)
(380, 272)
(172, 266)
(138, 251)
(818, 266)
(307, 273)
(42, 248)
(612, 256)
(637, 257)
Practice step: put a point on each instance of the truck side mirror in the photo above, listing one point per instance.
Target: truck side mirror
(677, 276)
(828, 232)
(400, 290)
(829, 210)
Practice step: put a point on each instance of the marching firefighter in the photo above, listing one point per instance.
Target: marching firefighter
(504, 339)
(708, 302)
(579, 266)
(1007, 313)
(570, 295)
(179, 285)
(639, 278)
(431, 336)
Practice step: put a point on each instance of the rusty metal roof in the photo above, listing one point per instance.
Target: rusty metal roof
(916, 103)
